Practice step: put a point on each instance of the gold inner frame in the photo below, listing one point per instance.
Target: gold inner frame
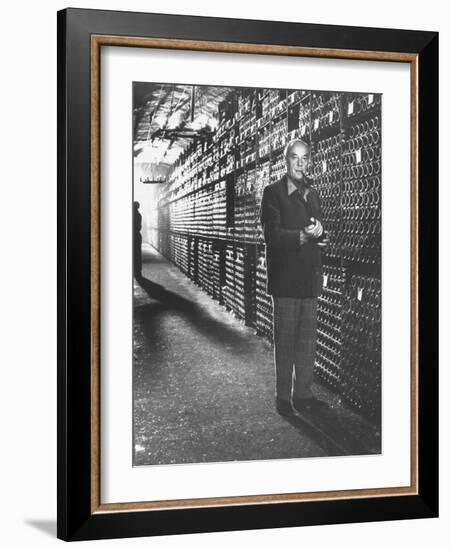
(97, 41)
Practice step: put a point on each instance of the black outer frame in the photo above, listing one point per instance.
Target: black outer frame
(75, 521)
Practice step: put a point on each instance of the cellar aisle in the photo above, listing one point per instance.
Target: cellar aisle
(203, 383)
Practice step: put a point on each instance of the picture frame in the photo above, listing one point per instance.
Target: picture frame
(81, 35)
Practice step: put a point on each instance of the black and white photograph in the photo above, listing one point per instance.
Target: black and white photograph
(233, 216)
(257, 223)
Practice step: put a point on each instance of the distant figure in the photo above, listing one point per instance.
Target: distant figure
(137, 241)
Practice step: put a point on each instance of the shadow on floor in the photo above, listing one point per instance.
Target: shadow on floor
(194, 313)
(335, 432)
(150, 256)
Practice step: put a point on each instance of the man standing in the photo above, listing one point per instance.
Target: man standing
(137, 241)
(291, 220)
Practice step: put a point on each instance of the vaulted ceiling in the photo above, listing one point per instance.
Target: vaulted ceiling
(164, 114)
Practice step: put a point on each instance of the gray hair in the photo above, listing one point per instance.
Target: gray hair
(291, 143)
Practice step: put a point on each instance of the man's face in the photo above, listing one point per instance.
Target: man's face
(297, 161)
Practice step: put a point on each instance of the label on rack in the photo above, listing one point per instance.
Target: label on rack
(350, 108)
(370, 99)
(330, 116)
(325, 280)
(360, 294)
(316, 124)
(358, 155)
(324, 166)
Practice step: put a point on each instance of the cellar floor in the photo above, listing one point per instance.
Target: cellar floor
(203, 385)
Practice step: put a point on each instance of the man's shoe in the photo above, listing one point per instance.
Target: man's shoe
(284, 407)
(309, 404)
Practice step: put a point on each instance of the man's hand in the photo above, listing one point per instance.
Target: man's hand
(315, 229)
(323, 243)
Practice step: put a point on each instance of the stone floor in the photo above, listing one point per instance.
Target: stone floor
(203, 385)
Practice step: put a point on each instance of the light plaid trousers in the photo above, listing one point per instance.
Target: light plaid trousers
(295, 339)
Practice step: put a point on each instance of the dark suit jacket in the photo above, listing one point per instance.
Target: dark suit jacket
(293, 270)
